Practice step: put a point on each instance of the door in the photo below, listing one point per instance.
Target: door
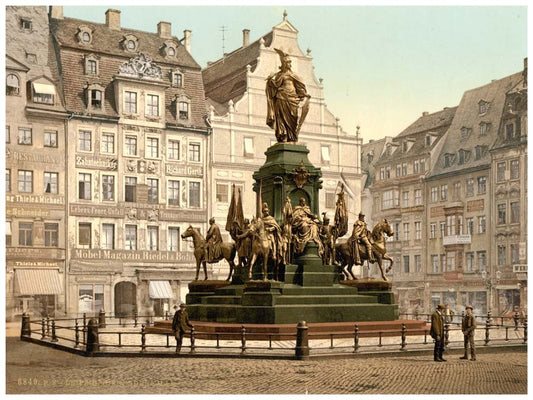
(125, 299)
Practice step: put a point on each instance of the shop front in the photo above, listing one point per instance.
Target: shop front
(36, 291)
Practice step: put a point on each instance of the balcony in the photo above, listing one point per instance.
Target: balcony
(456, 239)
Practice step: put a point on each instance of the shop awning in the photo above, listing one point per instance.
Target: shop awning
(42, 88)
(160, 290)
(30, 281)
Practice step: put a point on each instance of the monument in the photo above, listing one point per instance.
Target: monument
(284, 279)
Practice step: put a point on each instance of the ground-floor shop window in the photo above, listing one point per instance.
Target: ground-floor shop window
(90, 298)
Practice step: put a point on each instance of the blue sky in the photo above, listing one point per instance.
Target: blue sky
(382, 66)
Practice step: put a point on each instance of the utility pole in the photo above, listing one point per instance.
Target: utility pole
(223, 30)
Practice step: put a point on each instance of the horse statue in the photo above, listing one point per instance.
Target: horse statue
(262, 247)
(227, 251)
(344, 255)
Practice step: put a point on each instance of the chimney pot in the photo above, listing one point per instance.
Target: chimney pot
(245, 37)
(425, 113)
(112, 19)
(164, 30)
(187, 40)
(56, 12)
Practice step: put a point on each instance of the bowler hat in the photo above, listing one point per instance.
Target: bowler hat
(441, 306)
(469, 306)
(183, 305)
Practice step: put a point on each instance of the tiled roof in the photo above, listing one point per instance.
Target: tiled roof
(375, 148)
(225, 79)
(464, 132)
(430, 121)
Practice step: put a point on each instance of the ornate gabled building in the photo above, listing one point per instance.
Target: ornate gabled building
(136, 167)
(235, 89)
(35, 143)
(461, 265)
(398, 195)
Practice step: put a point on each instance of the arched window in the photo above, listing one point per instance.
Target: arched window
(12, 85)
(86, 37)
(131, 45)
(183, 110)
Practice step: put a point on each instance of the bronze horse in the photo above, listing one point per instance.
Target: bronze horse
(227, 251)
(262, 247)
(344, 253)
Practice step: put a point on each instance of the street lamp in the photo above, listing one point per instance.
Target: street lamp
(490, 283)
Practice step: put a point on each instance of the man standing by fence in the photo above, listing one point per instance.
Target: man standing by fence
(437, 333)
(180, 323)
(468, 327)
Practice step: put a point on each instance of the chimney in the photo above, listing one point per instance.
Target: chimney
(245, 37)
(56, 12)
(112, 19)
(187, 40)
(164, 30)
(425, 113)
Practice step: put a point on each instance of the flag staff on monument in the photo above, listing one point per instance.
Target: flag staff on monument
(341, 214)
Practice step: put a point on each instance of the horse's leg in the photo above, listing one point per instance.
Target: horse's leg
(205, 269)
(350, 266)
(252, 262)
(265, 267)
(231, 266)
(380, 263)
(198, 261)
(387, 257)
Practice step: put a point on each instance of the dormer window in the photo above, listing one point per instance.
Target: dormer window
(130, 43)
(85, 35)
(183, 110)
(183, 107)
(177, 79)
(91, 65)
(405, 147)
(448, 160)
(95, 97)
(12, 85)
(169, 49)
(464, 155)
(428, 140)
(483, 128)
(43, 93)
(483, 106)
(25, 24)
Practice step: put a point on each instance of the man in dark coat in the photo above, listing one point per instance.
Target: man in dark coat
(437, 333)
(180, 323)
(468, 326)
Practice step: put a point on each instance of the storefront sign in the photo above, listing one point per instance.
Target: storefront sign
(27, 212)
(96, 211)
(34, 157)
(38, 264)
(184, 170)
(182, 215)
(109, 164)
(132, 255)
(519, 268)
(25, 253)
(28, 198)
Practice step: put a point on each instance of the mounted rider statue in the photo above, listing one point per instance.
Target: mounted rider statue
(360, 236)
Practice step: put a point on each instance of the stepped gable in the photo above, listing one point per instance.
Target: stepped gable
(468, 116)
(225, 79)
(106, 45)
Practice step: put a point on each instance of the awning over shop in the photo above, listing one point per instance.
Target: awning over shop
(42, 88)
(30, 281)
(160, 290)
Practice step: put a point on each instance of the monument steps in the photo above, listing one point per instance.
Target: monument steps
(324, 299)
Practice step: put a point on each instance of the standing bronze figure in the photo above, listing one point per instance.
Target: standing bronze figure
(328, 237)
(284, 91)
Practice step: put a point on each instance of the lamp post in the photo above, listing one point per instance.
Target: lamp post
(490, 283)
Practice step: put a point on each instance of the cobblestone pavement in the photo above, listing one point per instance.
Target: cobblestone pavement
(36, 369)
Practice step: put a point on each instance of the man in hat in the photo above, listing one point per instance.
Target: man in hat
(437, 332)
(468, 326)
(180, 323)
(360, 234)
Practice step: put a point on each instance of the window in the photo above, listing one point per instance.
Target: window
(448, 160)
(91, 65)
(481, 185)
(8, 180)
(194, 194)
(50, 182)
(8, 134)
(12, 85)
(422, 165)
(442, 229)
(450, 261)
(173, 238)
(152, 147)
(130, 44)
(387, 172)
(502, 259)
(515, 169)
(450, 224)
(174, 193)
(481, 224)
(96, 99)
(416, 167)
(406, 264)
(404, 169)
(90, 298)
(84, 235)
(470, 267)
(183, 110)
(84, 140)
(130, 103)
(406, 231)
(418, 230)
(108, 187)
(443, 262)
(509, 131)
(25, 136)
(222, 192)
(470, 187)
(418, 197)
(502, 214)
(130, 148)
(482, 260)
(50, 138)
(435, 263)
(194, 151)
(515, 212)
(397, 231)
(108, 236)
(25, 233)
(131, 237)
(444, 192)
(418, 263)
(482, 107)
(482, 129)
(25, 24)
(459, 224)
(470, 226)
(25, 182)
(130, 189)
(432, 230)
(153, 238)
(153, 190)
(51, 235)
(434, 194)
(390, 199)
(177, 79)
(398, 170)
(330, 200)
(108, 143)
(515, 254)
(464, 133)
(152, 108)
(173, 150)
(249, 147)
(382, 173)
(84, 186)
(405, 199)
(457, 190)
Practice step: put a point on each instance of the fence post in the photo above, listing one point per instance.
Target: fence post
(143, 338)
(26, 327)
(135, 316)
(525, 330)
(302, 341)
(101, 319)
(92, 344)
(43, 332)
(356, 338)
(403, 337)
(54, 337)
(84, 328)
(77, 334)
(192, 339)
(515, 318)
(446, 334)
(416, 314)
(47, 325)
(487, 329)
(243, 339)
